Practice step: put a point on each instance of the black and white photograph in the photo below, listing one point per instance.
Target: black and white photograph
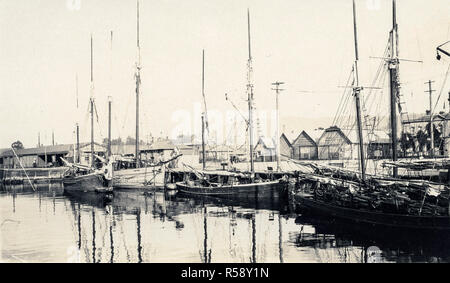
(231, 132)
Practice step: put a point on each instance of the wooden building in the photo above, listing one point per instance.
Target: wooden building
(304, 147)
(265, 150)
(416, 127)
(48, 156)
(334, 144)
(285, 147)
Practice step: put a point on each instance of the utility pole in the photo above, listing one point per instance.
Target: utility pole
(430, 92)
(277, 140)
(53, 137)
(39, 137)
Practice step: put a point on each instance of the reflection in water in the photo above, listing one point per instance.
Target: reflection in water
(50, 225)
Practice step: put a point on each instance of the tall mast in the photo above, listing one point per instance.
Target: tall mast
(250, 95)
(77, 160)
(203, 114)
(92, 106)
(393, 70)
(356, 92)
(138, 83)
(109, 125)
(109, 107)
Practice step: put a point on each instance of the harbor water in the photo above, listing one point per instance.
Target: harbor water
(50, 225)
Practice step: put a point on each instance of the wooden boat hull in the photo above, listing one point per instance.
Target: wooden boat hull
(141, 178)
(228, 189)
(94, 182)
(34, 175)
(375, 218)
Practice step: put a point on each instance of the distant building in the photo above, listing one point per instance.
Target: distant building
(334, 144)
(221, 153)
(46, 156)
(416, 127)
(379, 145)
(337, 144)
(304, 147)
(285, 147)
(265, 149)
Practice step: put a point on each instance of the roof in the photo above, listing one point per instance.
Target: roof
(377, 136)
(283, 136)
(425, 118)
(49, 149)
(308, 137)
(380, 137)
(130, 149)
(338, 131)
(290, 135)
(266, 142)
(158, 145)
(316, 134)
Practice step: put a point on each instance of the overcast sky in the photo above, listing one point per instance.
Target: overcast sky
(306, 44)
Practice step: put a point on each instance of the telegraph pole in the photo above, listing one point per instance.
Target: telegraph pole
(277, 140)
(430, 92)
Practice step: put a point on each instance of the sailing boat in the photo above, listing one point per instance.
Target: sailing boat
(135, 176)
(88, 178)
(224, 182)
(386, 202)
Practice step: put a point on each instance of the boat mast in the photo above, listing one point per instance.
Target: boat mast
(203, 114)
(356, 92)
(393, 70)
(138, 83)
(109, 107)
(250, 95)
(92, 107)
(77, 160)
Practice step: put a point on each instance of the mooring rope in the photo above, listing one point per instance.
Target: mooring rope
(26, 174)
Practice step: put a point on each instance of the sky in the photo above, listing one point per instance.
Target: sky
(309, 45)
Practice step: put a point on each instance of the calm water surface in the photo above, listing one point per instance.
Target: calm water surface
(49, 225)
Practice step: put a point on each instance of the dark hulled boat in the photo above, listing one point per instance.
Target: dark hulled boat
(225, 189)
(222, 183)
(367, 216)
(91, 182)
